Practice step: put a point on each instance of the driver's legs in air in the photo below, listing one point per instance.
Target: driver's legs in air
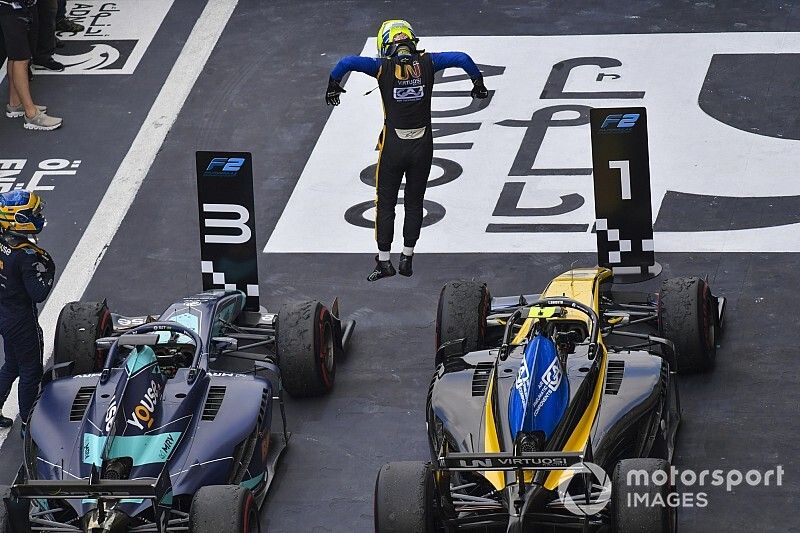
(398, 157)
(419, 168)
(388, 176)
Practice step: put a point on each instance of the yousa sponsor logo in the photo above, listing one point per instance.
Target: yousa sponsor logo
(143, 413)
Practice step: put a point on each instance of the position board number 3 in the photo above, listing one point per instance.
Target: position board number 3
(624, 176)
(239, 223)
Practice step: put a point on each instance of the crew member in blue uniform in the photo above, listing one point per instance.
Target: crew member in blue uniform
(26, 277)
(405, 78)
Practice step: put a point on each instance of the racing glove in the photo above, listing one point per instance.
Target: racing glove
(479, 90)
(333, 92)
(37, 274)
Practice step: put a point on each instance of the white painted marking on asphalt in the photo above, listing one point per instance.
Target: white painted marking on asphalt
(691, 152)
(105, 25)
(130, 174)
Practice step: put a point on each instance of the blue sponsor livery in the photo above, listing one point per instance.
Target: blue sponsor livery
(541, 391)
(224, 166)
(628, 120)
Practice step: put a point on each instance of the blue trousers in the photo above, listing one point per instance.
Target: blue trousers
(23, 347)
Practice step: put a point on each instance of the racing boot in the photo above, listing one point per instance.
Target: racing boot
(383, 269)
(5, 422)
(404, 267)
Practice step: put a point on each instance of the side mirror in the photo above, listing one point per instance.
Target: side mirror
(454, 348)
(105, 343)
(224, 344)
(272, 373)
(57, 371)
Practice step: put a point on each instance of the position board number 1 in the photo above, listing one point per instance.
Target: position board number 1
(624, 176)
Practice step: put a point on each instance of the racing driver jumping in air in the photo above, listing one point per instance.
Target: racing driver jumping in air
(26, 277)
(405, 79)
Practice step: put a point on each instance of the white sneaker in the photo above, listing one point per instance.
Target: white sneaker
(19, 111)
(42, 122)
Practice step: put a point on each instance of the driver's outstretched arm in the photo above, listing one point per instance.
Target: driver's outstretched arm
(443, 60)
(367, 65)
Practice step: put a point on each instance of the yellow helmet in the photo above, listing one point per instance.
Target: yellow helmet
(21, 212)
(388, 36)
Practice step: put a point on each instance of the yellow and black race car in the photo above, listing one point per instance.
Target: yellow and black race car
(554, 410)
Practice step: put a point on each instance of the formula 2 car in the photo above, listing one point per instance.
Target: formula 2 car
(531, 392)
(537, 397)
(173, 422)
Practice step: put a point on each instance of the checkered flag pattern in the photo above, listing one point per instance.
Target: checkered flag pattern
(622, 245)
(218, 278)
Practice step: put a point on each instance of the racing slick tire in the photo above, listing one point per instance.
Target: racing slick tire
(20, 510)
(4, 526)
(686, 317)
(306, 345)
(404, 498)
(224, 509)
(463, 308)
(79, 325)
(654, 512)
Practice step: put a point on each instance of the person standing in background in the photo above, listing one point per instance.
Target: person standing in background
(26, 278)
(16, 21)
(63, 23)
(45, 36)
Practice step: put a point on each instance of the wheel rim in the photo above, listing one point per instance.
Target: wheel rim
(105, 329)
(254, 526)
(326, 347)
(673, 519)
(712, 329)
(709, 320)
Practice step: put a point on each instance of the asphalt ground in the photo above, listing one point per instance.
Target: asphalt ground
(261, 91)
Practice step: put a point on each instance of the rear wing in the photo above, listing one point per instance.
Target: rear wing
(505, 461)
(68, 489)
(16, 498)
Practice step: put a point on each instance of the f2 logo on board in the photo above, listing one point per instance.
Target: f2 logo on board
(239, 224)
(627, 120)
(224, 166)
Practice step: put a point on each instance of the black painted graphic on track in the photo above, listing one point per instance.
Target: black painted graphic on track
(536, 129)
(756, 93)
(96, 54)
(682, 211)
(508, 203)
(355, 215)
(559, 74)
